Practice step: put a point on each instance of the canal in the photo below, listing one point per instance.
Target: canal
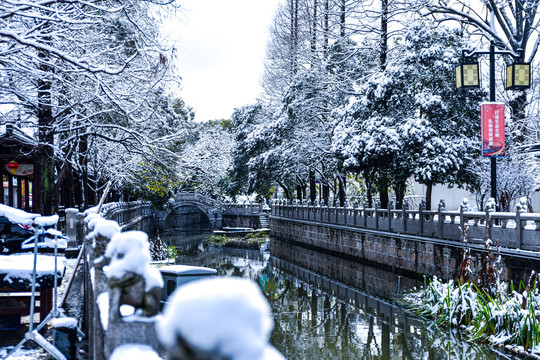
(326, 307)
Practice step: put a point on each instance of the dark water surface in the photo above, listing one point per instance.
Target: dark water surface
(326, 307)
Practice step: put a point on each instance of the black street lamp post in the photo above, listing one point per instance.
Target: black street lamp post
(519, 71)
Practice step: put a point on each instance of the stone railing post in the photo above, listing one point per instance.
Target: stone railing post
(519, 230)
(80, 229)
(328, 209)
(355, 212)
(377, 215)
(489, 222)
(345, 210)
(461, 218)
(421, 215)
(390, 208)
(441, 208)
(404, 209)
(365, 214)
(71, 232)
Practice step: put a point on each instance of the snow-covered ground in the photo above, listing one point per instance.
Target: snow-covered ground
(30, 350)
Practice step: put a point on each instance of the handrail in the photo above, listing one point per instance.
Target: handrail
(513, 230)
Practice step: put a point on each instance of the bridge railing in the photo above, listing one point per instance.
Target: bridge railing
(125, 213)
(224, 207)
(518, 230)
(243, 209)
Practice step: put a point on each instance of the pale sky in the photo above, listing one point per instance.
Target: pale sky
(222, 45)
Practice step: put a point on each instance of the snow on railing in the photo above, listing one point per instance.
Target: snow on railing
(518, 229)
(125, 213)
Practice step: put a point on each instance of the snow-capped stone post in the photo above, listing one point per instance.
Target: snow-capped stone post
(71, 233)
(405, 208)
(364, 212)
(355, 212)
(519, 228)
(377, 205)
(490, 207)
(390, 208)
(421, 209)
(131, 279)
(440, 209)
(462, 209)
(219, 318)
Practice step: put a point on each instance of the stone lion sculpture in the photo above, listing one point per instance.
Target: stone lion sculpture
(131, 279)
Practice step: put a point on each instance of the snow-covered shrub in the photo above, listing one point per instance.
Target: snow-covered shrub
(509, 318)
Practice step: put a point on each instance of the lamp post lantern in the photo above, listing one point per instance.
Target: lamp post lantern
(518, 77)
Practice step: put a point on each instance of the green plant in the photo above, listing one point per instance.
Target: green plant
(217, 240)
(172, 253)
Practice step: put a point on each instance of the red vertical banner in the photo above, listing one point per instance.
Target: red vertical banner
(492, 128)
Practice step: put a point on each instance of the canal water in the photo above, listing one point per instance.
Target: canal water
(326, 307)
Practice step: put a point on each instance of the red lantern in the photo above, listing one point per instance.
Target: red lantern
(12, 166)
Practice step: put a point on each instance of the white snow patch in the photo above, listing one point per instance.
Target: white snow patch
(134, 352)
(103, 227)
(20, 266)
(20, 354)
(103, 305)
(130, 252)
(64, 322)
(17, 216)
(227, 316)
(46, 220)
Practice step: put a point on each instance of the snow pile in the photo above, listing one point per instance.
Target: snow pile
(103, 305)
(17, 216)
(225, 316)
(44, 221)
(21, 354)
(17, 267)
(130, 252)
(102, 227)
(64, 323)
(134, 352)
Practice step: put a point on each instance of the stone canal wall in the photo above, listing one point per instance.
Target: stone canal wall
(322, 268)
(409, 255)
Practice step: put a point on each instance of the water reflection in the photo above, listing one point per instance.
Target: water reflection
(324, 307)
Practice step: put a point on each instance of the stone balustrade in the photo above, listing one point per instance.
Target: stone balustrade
(517, 230)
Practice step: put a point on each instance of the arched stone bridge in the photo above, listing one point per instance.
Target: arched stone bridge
(192, 203)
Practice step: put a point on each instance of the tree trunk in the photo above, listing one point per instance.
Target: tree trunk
(312, 187)
(399, 188)
(384, 34)
(83, 160)
(326, 193)
(326, 28)
(285, 191)
(299, 192)
(342, 19)
(429, 190)
(383, 194)
(46, 199)
(369, 188)
(519, 124)
(342, 190)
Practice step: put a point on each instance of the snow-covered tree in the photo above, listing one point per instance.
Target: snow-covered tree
(409, 119)
(512, 25)
(81, 74)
